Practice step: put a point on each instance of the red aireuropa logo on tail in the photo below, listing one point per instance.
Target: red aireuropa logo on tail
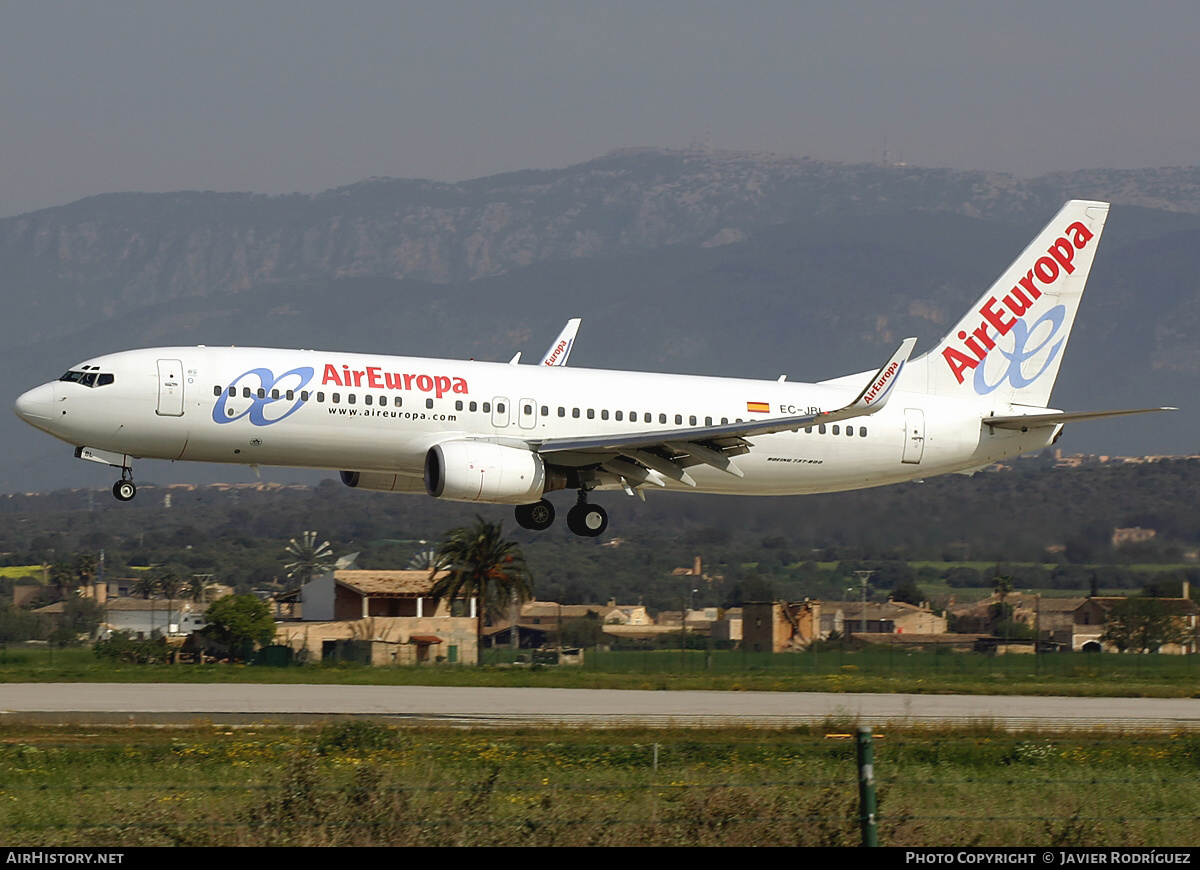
(1057, 261)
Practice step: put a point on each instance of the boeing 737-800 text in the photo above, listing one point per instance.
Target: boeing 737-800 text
(489, 432)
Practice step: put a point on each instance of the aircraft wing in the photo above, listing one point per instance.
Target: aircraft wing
(646, 457)
(1022, 422)
(560, 348)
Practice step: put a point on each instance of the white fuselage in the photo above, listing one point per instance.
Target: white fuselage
(372, 413)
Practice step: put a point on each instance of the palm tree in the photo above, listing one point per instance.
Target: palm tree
(146, 586)
(63, 578)
(171, 585)
(481, 564)
(308, 558)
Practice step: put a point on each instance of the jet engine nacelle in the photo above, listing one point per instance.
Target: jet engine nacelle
(484, 472)
(381, 482)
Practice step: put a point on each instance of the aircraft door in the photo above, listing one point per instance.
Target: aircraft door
(170, 388)
(500, 412)
(914, 435)
(527, 414)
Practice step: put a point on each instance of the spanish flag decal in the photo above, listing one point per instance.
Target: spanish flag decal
(758, 407)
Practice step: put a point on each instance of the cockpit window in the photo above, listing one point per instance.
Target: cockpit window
(88, 379)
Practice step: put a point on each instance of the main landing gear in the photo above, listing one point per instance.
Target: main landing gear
(123, 489)
(537, 517)
(586, 520)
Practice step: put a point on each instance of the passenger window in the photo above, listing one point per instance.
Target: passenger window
(304, 394)
(724, 420)
(662, 418)
(591, 413)
(274, 394)
(216, 391)
(545, 411)
(383, 401)
(692, 420)
(604, 414)
(575, 413)
(335, 398)
(290, 394)
(837, 430)
(808, 430)
(862, 431)
(320, 397)
(458, 406)
(678, 419)
(499, 406)
(708, 421)
(429, 404)
(473, 407)
(562, 412)
(487, 407)
(821, 429)
(351, 398)
(620, 416)
(529, 410)
(647, 417)
(262, 394)
(368, 399)
(245, 392)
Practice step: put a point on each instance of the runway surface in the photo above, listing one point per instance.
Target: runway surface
(132, 703)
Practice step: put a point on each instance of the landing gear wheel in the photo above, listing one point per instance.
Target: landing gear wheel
(587, 520)
(538, 517)
(124, 490)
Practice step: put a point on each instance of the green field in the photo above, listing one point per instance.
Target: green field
(365, 784)
(880, 670)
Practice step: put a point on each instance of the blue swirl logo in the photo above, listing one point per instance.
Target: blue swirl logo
(1014, 373)
(268, 402)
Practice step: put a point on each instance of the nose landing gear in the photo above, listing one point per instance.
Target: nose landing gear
(124, 489)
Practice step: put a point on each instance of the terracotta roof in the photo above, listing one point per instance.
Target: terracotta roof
(380, 584)
(137, 605)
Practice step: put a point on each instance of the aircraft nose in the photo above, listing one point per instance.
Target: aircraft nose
(36, 405)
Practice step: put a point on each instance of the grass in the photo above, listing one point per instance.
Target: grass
(1061, 674)
(367, 784)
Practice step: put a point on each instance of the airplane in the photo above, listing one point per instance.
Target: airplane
(474, 431)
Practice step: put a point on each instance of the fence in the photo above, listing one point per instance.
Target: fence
(875, 662)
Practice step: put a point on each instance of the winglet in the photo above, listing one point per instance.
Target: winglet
(561, 348)
(875, 394)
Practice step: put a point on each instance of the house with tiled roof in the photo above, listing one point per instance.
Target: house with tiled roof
(390, 614)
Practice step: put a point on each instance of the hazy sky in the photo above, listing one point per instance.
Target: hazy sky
(276, 97)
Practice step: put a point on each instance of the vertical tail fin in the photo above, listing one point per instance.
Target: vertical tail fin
(1010, 344)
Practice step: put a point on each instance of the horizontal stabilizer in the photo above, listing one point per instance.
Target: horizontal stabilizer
(1022, 422)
